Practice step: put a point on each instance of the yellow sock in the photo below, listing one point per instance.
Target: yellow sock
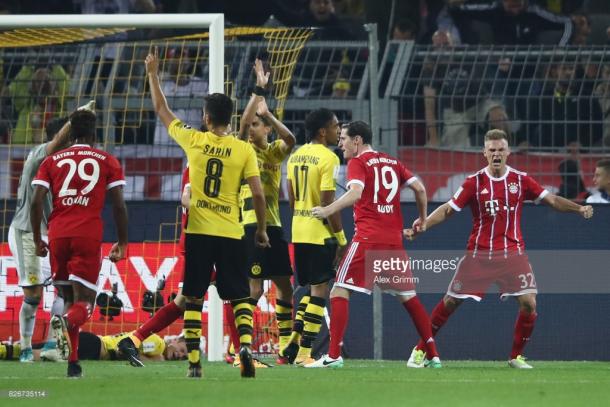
(192, 331)
(313, 317)
(243, 320)
(283, 316)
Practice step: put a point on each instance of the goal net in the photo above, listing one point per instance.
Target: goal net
(49, 66)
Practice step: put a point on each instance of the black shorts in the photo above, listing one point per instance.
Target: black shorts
(89, 346)
(314, 262)
(271, 262)
(229, 257)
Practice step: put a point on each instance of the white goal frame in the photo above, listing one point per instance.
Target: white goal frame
(215, 25)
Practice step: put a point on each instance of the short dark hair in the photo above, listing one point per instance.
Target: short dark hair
(53, 127)
(316, 120)
(359, 128)
(82, 125)
(605, 164)
(496, 134)
(219, 108)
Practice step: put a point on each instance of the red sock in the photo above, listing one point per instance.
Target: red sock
(339, 315)
(421, 320)
(523, 330)
(78, 314)
(230, 317)
(440, 315)
(162, 319)
(73, 334)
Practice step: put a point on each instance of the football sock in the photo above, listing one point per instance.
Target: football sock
(230, 316)
(440, 315)
(523, 331)
(422, 323)
(10, 351)
(339, 315)
(162, 319)
(312, 321)
(283, 315)
(56, 309)
(73, 334)
(192, 331)
(27, 320)
(77, 315)
(243, 320)
(297, 327)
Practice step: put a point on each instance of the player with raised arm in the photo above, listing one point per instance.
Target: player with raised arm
(318, 244)
(218, 162)
(374, 181)
(272, 263)
(78, 178)
(496, 249)
(34, 272)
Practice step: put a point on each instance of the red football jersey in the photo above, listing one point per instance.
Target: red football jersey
(377, 215)
(497, 204)
(185, 212)
(78, 178)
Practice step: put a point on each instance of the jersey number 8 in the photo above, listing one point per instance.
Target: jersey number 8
(213, 172)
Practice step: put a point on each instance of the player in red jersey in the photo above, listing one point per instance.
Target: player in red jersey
(78, 178)
(496, 251)
(374, 183)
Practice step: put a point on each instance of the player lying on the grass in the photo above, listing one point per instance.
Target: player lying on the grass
(78, 179)
(374, 181)
(272, 263)
(105, 347)
(496, 249)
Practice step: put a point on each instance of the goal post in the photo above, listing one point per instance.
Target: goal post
(215, 25)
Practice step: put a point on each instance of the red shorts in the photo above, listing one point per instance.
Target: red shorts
(76, 259)
(513, 275)
(365, 265)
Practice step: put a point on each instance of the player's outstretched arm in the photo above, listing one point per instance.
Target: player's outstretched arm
(565, 205)
(346, 200)
(280, 128)
(119, 211)
(36, 219)
(60, 139)
(158, 98)
(247, 116)
(258, 200)
(439, 215)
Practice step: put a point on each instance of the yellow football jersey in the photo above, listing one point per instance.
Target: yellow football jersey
(270, 166)
(216, 167)
(311, 169)
(154, 345)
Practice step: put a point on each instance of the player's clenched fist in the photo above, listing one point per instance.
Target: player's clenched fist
(586, 211)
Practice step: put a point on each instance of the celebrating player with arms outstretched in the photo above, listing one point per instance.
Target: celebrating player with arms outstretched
(374, 183)
(78, 178)
(496, 251)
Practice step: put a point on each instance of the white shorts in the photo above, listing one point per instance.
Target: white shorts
(32, 270)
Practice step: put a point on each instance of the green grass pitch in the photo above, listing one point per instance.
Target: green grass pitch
(359, 383)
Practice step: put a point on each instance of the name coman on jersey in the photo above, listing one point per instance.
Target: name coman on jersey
(78, 178)
(377, 215)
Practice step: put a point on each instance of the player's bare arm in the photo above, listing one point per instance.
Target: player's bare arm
(158, 98)
(258, 200)
(285, 135)
(439, 215)
(421, 199)
(290, 194)
(346, 200)
(60, 139)
(119, 211)
(247, 116)
(565, 205)
(185, 199)
(36, 220)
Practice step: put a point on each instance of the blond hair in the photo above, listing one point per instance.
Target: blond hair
(496, 134)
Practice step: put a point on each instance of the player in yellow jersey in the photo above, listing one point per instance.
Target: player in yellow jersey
(218, 162)
(272, 263)
(318, 244)
(105, 347)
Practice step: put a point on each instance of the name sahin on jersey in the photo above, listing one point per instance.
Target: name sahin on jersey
(216, 151)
